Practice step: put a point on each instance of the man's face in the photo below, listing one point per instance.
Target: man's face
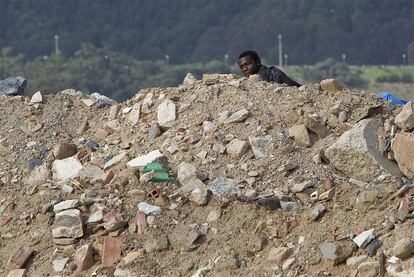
(249, 66)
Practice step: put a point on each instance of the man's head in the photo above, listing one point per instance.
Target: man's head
(249, 63)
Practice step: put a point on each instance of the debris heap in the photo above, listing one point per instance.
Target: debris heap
(222, 176)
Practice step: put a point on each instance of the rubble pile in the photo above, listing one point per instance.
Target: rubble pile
(222, 176)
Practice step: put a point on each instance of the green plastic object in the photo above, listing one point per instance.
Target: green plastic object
(160, 173)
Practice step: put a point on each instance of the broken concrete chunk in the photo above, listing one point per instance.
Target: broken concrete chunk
(301, 135)
(331, 85)
(149, 209)
(189, 79)
(186, 172)
(143, 160)
(237, 148)
(68, 224)
(66, 169)
(405, 119)
(224, 187)
(166, 114)
(115, 160)
(135, 114)
(336, 252)
(39, 176)
(356, 153)
(261, 147)
(238, 116)
(66, 205)
(365, 238)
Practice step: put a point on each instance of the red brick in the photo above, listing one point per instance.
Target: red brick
(111, 251)
(108, 176)
(141, 221)
(21, 255)
(84, 257)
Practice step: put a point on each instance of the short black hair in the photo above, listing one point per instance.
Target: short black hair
(250, 53)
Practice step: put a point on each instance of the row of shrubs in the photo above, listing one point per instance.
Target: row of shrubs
(395, 78)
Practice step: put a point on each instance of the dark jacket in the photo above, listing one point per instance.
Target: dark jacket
(274, 74)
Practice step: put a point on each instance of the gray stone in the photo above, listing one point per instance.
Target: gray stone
(261, 147)
(66, 169)
(289, 206)
(404, 248)
(66, 205)
(278, 254)
(13, 86)
(219, 148)
(166, 114)
(365, 238)
(343, 116)
(224, 187)
(336, 252)
(143, 160)
(237, 148)
(189, 79)
(114, 111)
(147, 103)
(96, 217)
(92, 172)
(356, 153)
(356, 261)
(214, 216)
(317, 127)
(208, 126)
(368, 269)
(16, 272)
(238, 116)
(318, 211)
(68, 224)
(331, 85)
(302, 186)
(186, 172)
(157, 244)
(405, 119)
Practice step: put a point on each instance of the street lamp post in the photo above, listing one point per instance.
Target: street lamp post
(344, 58)
(56, 44)
(286, 60)
(167, 59)
(226, 59)
(404, 57)
(279, 37)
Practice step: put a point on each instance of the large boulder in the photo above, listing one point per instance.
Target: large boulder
(356, 153)
(12, 86)
(403, 148)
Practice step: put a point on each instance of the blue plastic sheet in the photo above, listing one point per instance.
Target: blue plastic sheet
(392, 98)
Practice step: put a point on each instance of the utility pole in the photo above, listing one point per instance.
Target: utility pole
(167, 59)
(344, 58)
(56, 44)
(404, 57)
(226, 59)
(279, 37)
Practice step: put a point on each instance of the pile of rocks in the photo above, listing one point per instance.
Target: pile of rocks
(249, 176)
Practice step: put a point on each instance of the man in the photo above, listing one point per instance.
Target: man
(249, 63)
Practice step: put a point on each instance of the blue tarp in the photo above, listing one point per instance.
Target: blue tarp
(392, 98)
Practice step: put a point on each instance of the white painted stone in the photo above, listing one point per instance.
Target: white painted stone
(37, 98)
(365, 238)
(166, 114)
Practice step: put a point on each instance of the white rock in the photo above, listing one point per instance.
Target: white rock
(365, 238)
(186, 172)
(166, 114)
(135, 114)
(126, 110)
(149, 209)
(68, 224)
(142, 161)
(238, 116)
(115, 160)
(237, 148)
(37, 98)
(88, 102)
(66, 169)
(66, 205)
(189, 79)
(96, 217)
(59, 265)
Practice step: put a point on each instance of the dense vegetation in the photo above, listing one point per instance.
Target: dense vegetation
(367, 31)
